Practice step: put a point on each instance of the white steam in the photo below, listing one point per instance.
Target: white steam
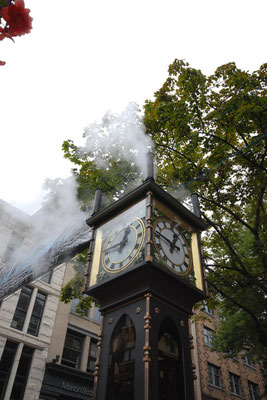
(120, 136)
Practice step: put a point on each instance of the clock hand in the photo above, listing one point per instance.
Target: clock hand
(171, 243)
(114, 246)
(125, 238)
(122, 243)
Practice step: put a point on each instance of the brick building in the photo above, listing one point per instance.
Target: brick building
(219, 378)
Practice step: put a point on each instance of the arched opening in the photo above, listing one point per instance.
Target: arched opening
(122, 361)
(171, 382)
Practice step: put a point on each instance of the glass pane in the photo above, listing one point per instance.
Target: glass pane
(122, 361)
(34, 325)
(22, 374)
(24, 298)
(18, 320)
(93, 348)
(168, 345)
(171, 384)
(38, 306)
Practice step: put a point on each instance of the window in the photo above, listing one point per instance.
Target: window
(22, 307)
(74, 304)
(235, 384)
(6, 365)
(208, 336)
(22, 371)
(22, 374)
(15, 242)
(208, 310)
(253, 390)
(72, 350)
(97, 314)
(214, 375)
(121, 372)
(170, 369)
(248, 360)
(92, 355)
(37, 314)
(47, 277)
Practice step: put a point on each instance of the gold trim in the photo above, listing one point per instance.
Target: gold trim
(159, 247)
(147, 347)
(114, 235)
(97, 363)
(149, 226)
(89, 259)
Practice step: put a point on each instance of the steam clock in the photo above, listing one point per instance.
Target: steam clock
(145, 269)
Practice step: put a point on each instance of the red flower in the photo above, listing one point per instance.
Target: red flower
(17, 18)
(2, 63)
(4, 34)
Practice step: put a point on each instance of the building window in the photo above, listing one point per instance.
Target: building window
(22, 371)
(47, 277)
(208, 336)
(214, 375)
(22, 307)
(72, 350)
(253, 391)
(235, 384)
(207, 310)
(15, 242)
(37, 314)
(74, 304)
(6, 365)
(22, 374)
(97, 314)
(92, 355)
(248, 360)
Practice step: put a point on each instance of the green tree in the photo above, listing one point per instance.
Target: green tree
(111, 158)
(210, 133)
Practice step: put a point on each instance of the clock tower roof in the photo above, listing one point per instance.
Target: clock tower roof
(139, 193)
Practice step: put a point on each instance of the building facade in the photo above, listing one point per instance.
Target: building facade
(219, 378)
(40, 337)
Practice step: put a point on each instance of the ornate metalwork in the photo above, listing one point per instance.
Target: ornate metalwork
(149, 227)
(97, 363)
(147, 347)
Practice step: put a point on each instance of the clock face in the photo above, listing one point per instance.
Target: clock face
(172, 247)
(123, 246)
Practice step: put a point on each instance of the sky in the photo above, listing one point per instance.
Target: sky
(84, 58)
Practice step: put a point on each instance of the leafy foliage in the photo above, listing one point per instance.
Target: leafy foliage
(211, 134)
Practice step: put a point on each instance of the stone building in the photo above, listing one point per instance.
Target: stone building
(40, 337)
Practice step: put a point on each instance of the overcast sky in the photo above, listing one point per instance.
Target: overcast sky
(83, 58)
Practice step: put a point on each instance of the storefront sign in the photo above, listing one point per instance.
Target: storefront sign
(77, 389)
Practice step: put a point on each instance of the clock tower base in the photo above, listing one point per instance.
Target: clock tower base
(144, 348)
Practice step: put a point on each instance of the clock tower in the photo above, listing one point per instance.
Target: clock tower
(145, 269)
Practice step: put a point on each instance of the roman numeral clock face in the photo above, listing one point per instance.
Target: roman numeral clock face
(172, 247)
(123, 245)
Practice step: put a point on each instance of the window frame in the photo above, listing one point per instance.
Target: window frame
(67, 361)
(34, 314)
(253, 394)
(235, 382)
(208, 336)
(212, 370)
(19, 310)
(91, 356)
